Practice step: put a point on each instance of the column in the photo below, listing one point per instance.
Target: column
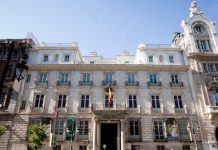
(94, 135)
(122, 135)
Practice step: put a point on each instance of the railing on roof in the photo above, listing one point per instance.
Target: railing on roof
(158, 45)
(58, 44)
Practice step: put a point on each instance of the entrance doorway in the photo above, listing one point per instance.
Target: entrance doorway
(109, 136)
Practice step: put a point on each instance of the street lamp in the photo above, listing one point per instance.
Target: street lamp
(21, 70)
(104, 146)
(192, 131)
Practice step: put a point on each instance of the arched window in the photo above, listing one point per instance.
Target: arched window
(199, 29)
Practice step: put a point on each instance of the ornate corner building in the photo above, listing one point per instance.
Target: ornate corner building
(163, 98)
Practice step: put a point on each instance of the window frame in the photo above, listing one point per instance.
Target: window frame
(178, 101)
(83, 127)
(59, 127)
(85, 101)
(39, 100)
(45, 58)
(62, 100)
(132, 101)
(158, 127)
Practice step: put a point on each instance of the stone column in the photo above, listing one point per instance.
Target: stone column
(94, 135)
(122, 135)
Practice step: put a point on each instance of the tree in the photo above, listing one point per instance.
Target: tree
(2, 130)
(37, 134)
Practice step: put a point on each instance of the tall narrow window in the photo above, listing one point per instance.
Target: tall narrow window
(59, 127)
(203, 45)
(155, 101)
(43, 77)
(39, 100)
(45, 58)
(83, 127)
(108, 77)
(131, 78)
(66, 58)
(23, 105)
(174, 78)
(132, 101)
(210, 68)
(134, 127)
(86, 77)
(178, 101)
(158, 130)
(150, 59)
(62, 101)
(171, 59)
(28, 78)
(64, 77)
(183, 132)
(107, 103)
(153, 78)
(84, 101)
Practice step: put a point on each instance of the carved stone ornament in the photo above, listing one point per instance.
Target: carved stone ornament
(195, 9)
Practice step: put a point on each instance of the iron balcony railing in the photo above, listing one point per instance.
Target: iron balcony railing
(106, 107)
(176, 84)
(85, 83)
(63, 83)
(108, 83)
(154, 83)
(38, 83)
(136, 83)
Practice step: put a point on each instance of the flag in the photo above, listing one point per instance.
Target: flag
(110, 98)
(56, 111)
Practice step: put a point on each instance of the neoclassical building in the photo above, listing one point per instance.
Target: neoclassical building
(162, 98)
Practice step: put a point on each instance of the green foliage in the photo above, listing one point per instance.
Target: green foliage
(2, 130)
(37, 134)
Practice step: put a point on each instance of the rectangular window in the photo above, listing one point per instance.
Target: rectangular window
(183, 132)
(83, 127)
(203, 45)
(91, 62)
(160, 147)
(174, 78)
(107, 104)
(131, 78)
(155, 101)
(171, 59)
(39, 100)
(86, 77)
(62, 99)
(23, 105)
(82, 147)
(153, 78)
(186, 147)
(84, 101)
(150, 59)
(134, 127)
(43, 77)
(178, 101)
(66, 58)
(210, 68)
(10, 71)
(158, 130)
(3, 98)
(59, 127)
(109, 77)
(57, 147)
(45, 58)
(28, 78)
(64, 77)
(132, 101)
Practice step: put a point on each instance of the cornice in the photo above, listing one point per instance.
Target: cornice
(109, 67)
(203, 56)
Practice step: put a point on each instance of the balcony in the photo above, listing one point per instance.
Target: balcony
(154, 84)
(63, 83)
(212, 112)
(41, 83)
(134, 110)
(114, 107)
(37, 110)
(84, 109)
(180, 110)
(85, 83)
(178, 84)
(157, 110)
(108, 83)
(134, 138)
(136, 83)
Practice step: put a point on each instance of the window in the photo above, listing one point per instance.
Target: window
(56, 58)
(28, 78)
(82, 147)
(135, 147)
(210, 68)
(3, 98)
(66, 58)
(214, 97)
(10, 71)
(45, 58)
(174, 78)
(107, 104)
(131, 78)
(153, 78)
(183, 132)
(158, 130)
(57, 147)
(134, 127)
(23, 105)
(83, 127)
(59, 127)
(62, 101)
(155, 101)
(109, 77)
(199, 29)
(160, 58)
(132, 101)
(186, 147)
(160, 147)
(43, 77)
(39, 100)
(86, 77)
(91, 62)
(203, 45)
(178, 101)
(84, 101)
(64, 77)
(171, 59)
(150, 59)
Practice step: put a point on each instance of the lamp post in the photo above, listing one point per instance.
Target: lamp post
(104, 146)
(192, 131)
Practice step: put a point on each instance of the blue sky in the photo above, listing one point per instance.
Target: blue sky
(106, 26)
